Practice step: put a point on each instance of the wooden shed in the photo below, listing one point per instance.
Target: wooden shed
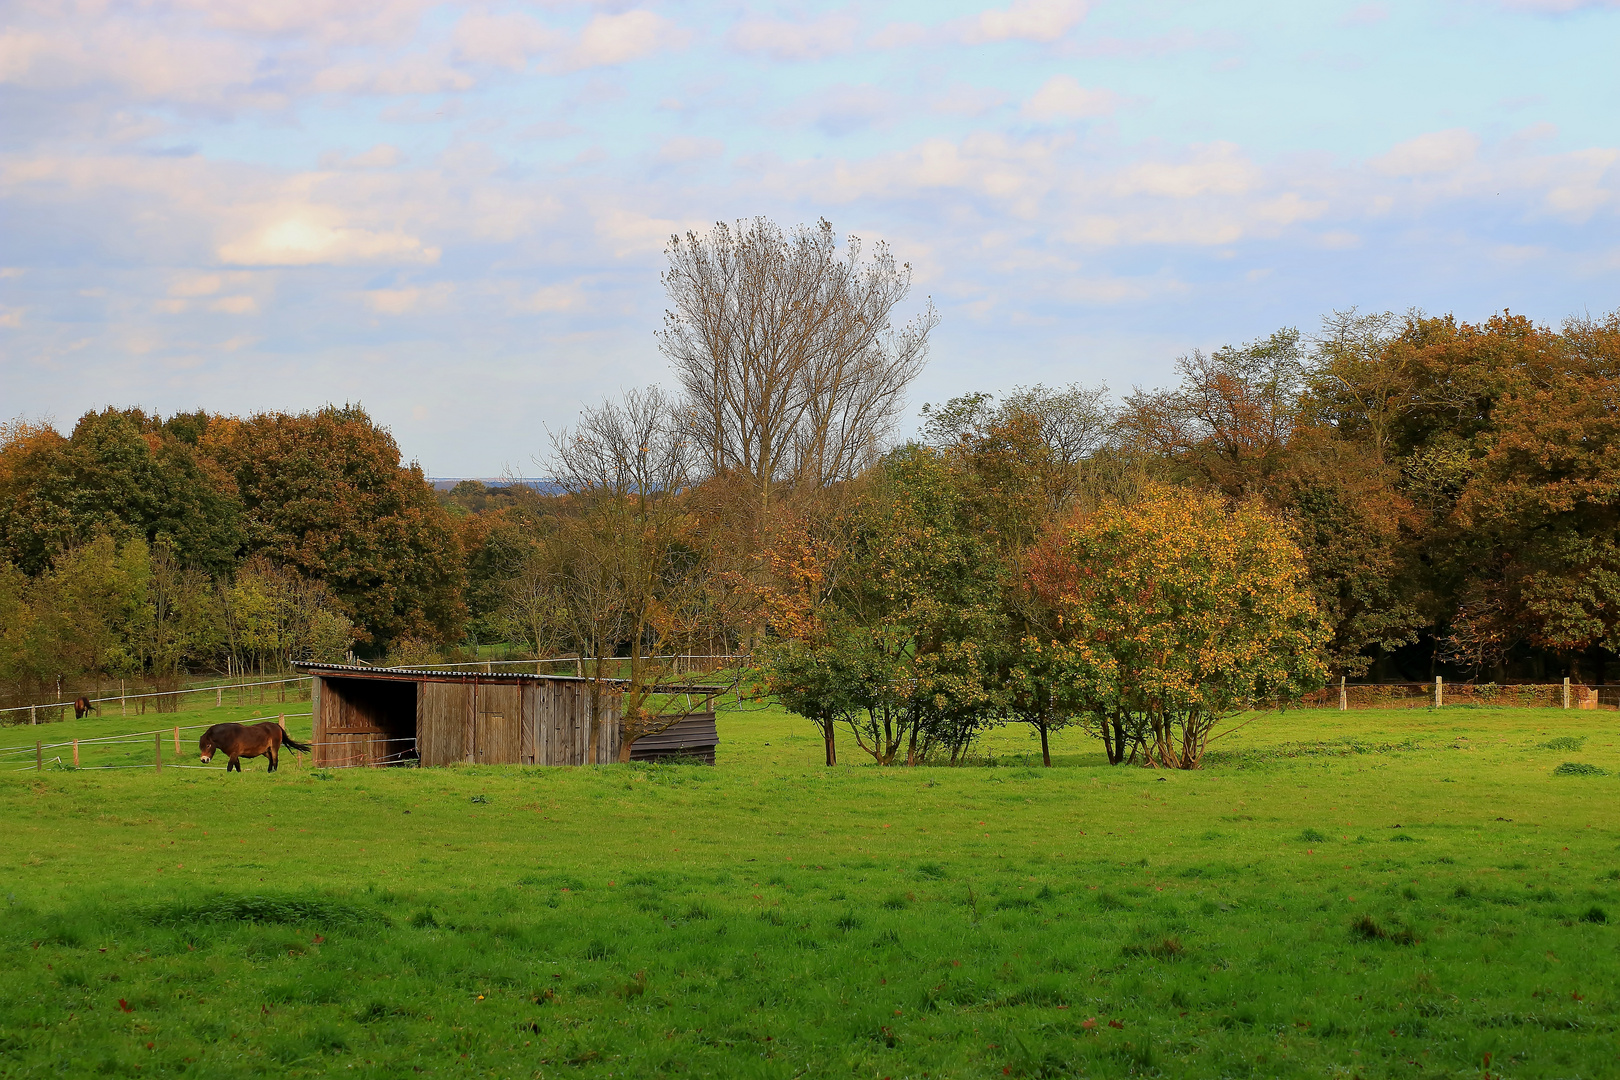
(380, 716)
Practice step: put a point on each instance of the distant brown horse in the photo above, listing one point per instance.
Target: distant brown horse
(82, 707)
(240, 741)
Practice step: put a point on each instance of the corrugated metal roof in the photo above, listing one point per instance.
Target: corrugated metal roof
(402, 673)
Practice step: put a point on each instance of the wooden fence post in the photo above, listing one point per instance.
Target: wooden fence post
(123, 699)
(157, 751)
(177, 740)
(75, 753)
(1344, 699)
(39, 757)
(33, 716)
(1439, 692)
(219, 696)
(1566, 691)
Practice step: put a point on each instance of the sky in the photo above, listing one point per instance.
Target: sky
(455, 214)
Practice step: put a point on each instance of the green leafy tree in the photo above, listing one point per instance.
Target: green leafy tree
(890, 625)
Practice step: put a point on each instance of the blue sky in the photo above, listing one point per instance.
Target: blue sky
(454, 213)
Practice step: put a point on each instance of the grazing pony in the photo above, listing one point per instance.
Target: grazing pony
(239, 741)
(82, 707)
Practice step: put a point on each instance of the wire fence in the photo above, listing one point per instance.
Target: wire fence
(1440, 693)
(164, 700)
(158, 749)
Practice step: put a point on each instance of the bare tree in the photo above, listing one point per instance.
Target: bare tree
(631, 573)
(786, 352)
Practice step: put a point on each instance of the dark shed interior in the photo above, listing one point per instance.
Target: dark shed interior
(370, 720)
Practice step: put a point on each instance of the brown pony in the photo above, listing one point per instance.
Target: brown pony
(240, 741)
(82, 707)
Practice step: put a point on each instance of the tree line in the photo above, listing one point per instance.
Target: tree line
(1385, 496)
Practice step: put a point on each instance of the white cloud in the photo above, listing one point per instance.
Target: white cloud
(615, 39)
(965, 100)
(631, 232)
(11, 318)
(145, 63)
(197, 285)
(312, 235)
(235, 305)
(1217, 169)
(413, 74)
(1025, 20)
(1559, 7)
(690, 148)
(782, 40)
(506, 41)
(1435, 152)
(1063, 98)
(557, 298)
(381, 156)
(410, 300)
(327, 20)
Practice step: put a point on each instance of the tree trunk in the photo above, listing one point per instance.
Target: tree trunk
(828, 733)
(1046, 751)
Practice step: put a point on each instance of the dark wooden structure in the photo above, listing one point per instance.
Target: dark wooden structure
(381, 716)
(693, 738)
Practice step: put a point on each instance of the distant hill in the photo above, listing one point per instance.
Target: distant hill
(544, 487)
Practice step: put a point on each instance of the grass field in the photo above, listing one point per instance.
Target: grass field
(1400, 894)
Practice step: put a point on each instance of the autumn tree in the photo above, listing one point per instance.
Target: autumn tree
(326, 494)
(1179, 612)
(120, 473)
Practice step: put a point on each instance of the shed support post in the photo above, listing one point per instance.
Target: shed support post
(1566, 691)
(1344, 700)
(1439, 692)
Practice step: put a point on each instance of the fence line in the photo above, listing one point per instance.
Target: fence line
(570, 660)
(133, 735)
(164, 693)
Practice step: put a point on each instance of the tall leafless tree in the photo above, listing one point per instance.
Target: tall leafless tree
(629, 571)
(787, 352)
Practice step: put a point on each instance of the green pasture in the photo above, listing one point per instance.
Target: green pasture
(1411, 893)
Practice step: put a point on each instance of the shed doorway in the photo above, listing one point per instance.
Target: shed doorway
(368, 722)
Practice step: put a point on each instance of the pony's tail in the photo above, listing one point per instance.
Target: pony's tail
(289, 741)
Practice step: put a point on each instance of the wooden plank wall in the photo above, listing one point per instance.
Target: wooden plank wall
(536, 723)
(556, 724)
(441, 730)
(495, 738)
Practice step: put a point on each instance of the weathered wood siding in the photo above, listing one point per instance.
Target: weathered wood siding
(556, 724)
(498, 712)
(374, 716)
(444, 714)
